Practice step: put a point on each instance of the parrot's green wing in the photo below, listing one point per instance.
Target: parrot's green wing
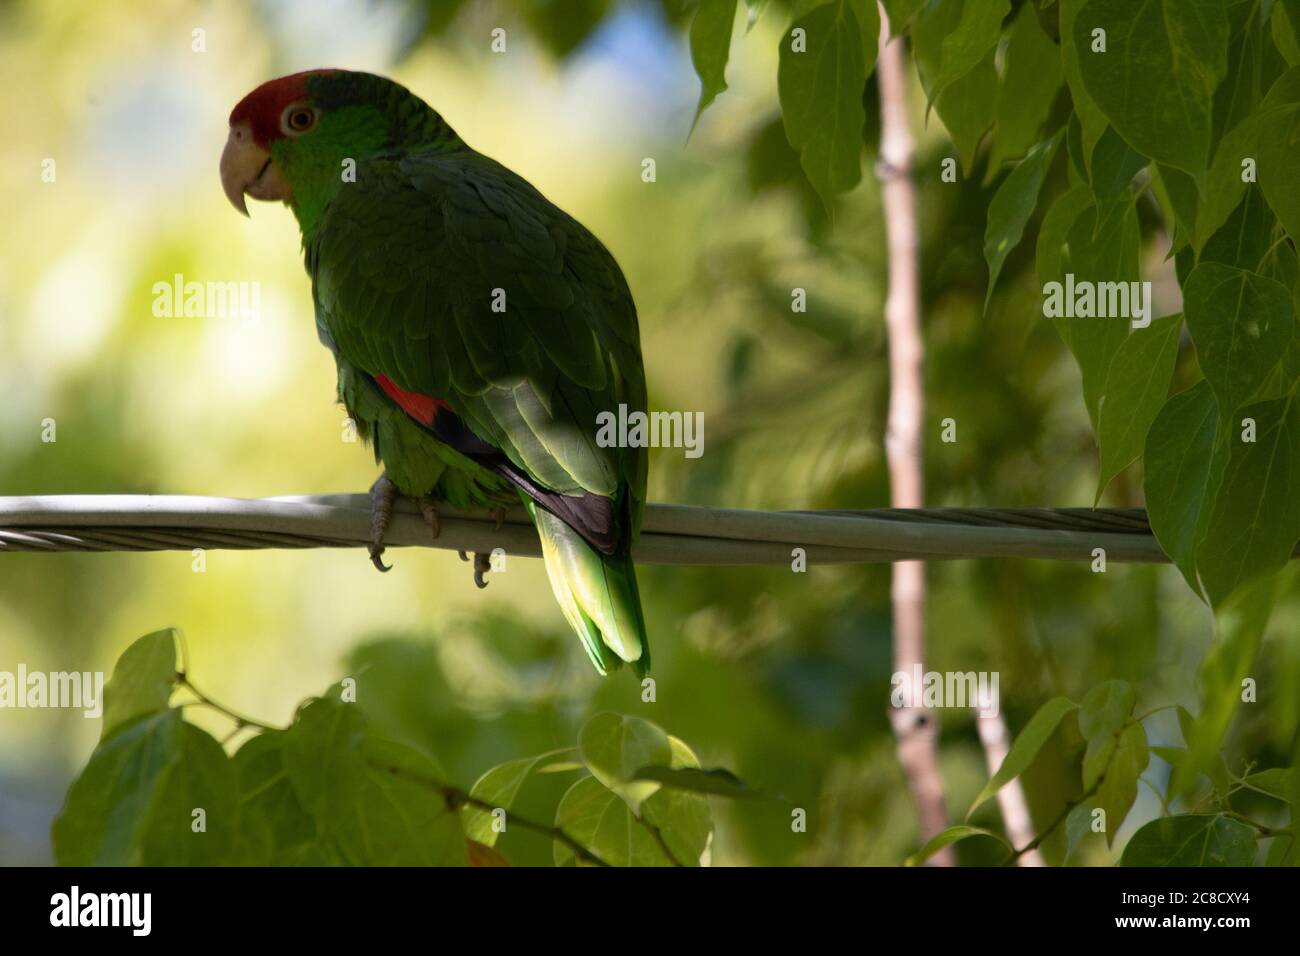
(453, 278)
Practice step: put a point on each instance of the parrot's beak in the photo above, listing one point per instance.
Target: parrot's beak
(247, 168)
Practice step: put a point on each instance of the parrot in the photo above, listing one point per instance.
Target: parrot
(478, 331)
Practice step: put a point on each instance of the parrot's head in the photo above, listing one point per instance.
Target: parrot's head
(296, 138)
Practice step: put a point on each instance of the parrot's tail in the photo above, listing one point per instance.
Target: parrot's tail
(597, 593)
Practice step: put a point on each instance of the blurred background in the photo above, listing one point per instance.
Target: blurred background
(781, 677)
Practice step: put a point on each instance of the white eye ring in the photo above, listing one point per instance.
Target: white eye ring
(297, 119)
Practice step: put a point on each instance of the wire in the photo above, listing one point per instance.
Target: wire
(672, 534)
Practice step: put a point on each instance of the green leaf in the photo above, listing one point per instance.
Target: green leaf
(108, 804)
(202, 778)
(1179, 197)
(1092, 122)
(1275, 782)
(1078, 824)
(820, 87)
(1050, 251)
(1285, 27)
(598, 819)
(378, 803)
(1224, 186)
(1239, 628)
(683, 818)
(1241, 323)
(604, 823)
(1210, 839)
(275, 829)
(1027, 88)
(1105, 709)
(900, 14)
(134, 802)
(868, 16)
(1208, 760)
(499, 787)
(1244, 241)
(715, 781)
(1279, 164)
(972, 38)
(1239, 93)
(1100, 247)
(615, 747)
(947, 838)
(1156, 80)
(1254, 521)
(1136, 386)
(399, 818)
(1114, 164)
(1012, 206)
(1025, 747)
(142, 683)
(1181, 474)
(322, 756)
(967, 108)
(1116, 754)
(710, 48)
(1117, 762)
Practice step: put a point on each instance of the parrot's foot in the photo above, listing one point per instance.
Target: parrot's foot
(383, 495)
(429, 511)
(498, 516)
(482, 565)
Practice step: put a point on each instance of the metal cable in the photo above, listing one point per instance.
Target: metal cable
(672, 534)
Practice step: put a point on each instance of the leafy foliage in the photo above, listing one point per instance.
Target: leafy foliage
(1190, 107)
(328, 790)
(1115, 756)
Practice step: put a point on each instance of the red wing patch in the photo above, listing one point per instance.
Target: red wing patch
(423, 408)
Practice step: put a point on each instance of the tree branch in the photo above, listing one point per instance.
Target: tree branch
(915, 729)
(455, 798)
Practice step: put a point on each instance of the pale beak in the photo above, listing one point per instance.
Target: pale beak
(246, 168)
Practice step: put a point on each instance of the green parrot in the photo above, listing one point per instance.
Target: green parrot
(478, 330)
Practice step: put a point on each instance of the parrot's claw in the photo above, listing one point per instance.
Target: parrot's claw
(383, 493)
(482, 565)
(430, 512)
(498, 516)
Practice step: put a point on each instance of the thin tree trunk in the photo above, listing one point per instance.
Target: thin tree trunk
(1011, 798)
(914, 727)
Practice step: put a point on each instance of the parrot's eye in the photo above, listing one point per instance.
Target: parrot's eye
(298, 119)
